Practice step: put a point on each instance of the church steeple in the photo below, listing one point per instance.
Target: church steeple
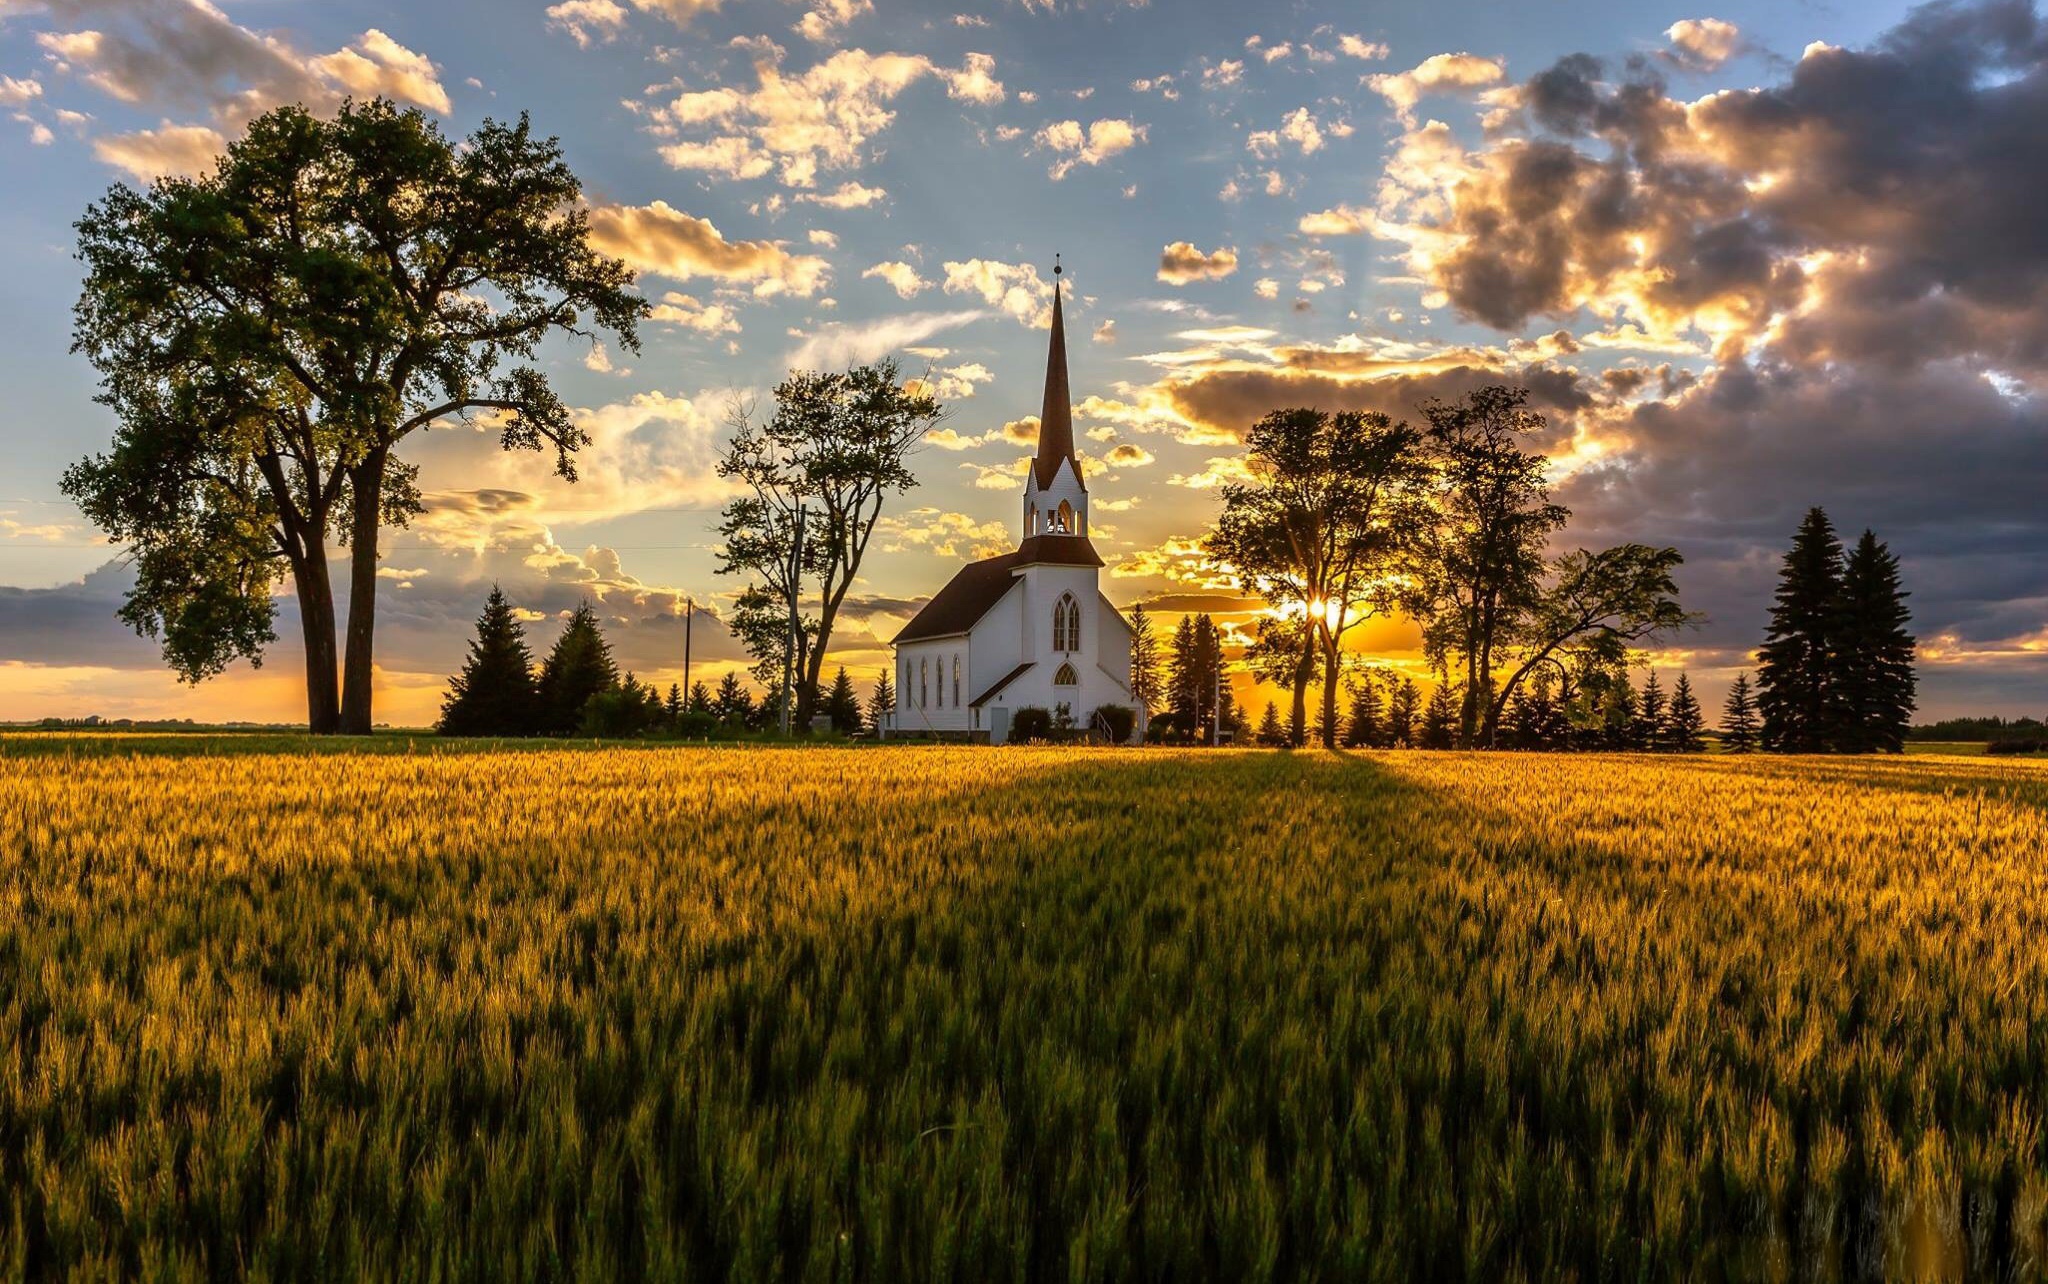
(1056, 417)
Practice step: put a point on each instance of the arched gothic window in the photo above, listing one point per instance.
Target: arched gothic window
(956, 682)
(924, 668)
(1066, 677)
(1066, 624)
(1066, 518)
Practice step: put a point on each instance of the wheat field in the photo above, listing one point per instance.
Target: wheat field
(962, 1014)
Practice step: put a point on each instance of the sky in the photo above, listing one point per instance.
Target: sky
(1748, 257)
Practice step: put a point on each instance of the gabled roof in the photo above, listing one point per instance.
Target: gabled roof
(1056, 413)
(997, 689)
(976, 587)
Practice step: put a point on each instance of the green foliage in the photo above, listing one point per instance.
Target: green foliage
(1738, 718)
(1270, 733)
(578, 668)
(843, 705)
(1683, 721)
(1403, 711)
(1873, 690)
(734, 704)
(881, 702)
(1440, 718)
(495, 693)
(1792, 665)
(1115, 721)
(270, 333)
(1148, 682)
(1194, 667)
(1031, 725)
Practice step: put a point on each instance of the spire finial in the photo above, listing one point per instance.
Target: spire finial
(1055, 262)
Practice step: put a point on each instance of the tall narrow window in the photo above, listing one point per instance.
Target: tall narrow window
(1066, 624)
(1066, 518)
(924, 668)
(1066, 677)
(956, 682)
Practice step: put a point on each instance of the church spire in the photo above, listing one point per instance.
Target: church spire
(1056, 418)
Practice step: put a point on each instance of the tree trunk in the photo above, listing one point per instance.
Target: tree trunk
(316, 618)
(1332, 663)
(814, 669)
(1304, 669)
(366, 482)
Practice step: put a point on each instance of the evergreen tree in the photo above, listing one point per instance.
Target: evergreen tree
(1363, 731)
(733, 704)
(579, 667)
(1873, 693)
(881, 703)
(1402, 712)
(672, 708)
(1617, 713)
(1793, 676)
(700, 697)
(1534, 719)
(1684, 721)
(494, 693)
(1237, 720)
(1271, 733)
(1738, 718)
(843, 705)
(1183, 679)
(1147, 683)
(1440, 718)
(1647, 732)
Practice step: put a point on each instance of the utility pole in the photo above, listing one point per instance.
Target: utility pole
(689, 618)
(1216, 719)
(796, 561)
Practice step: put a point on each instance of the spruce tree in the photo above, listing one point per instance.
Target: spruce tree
(579, 667)
(1271, 733)
(700, 697)
(1684, 721)
(494, 694)
(881, 703)
(1618, 714)
(1183, 677)
(843, 705)
(1147, 684)
(733, 705)
(1363, 731)
(1648, 730)
(672, 708)
(1873, 692)
(1440, 718)
(1793, 675)
(1738, 718)
(1402, 712)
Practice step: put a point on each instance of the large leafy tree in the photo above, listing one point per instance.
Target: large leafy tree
(1484, 561)
(1795, 666)
(1317, 531)
(270, 334)
(494, 695)
(836, 447)
(1873, 692)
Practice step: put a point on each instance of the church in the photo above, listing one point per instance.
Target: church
(1028, 629)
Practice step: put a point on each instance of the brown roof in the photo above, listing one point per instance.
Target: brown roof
(1056, 415)
(976, 587)
(997, 689)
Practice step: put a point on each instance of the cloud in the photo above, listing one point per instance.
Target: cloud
(1355, 47)
(823, 118)
(1181, 262)
(183, 151)
(587, 21)
(1106, 332)
(1093, 145)
(1298, 127)
(378, 66)
(847, 196)
(1016, 288)
(828, 18)
(1127, 455)
(1703, 43)
(842, 344)
(663, 240)
(705, 318)
(18, 93)
(900, 276)
(679, 12)
(1438, 74)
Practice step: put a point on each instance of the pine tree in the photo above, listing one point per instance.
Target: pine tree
(1684, 721)
(1647, 732)
(1402, 712)
(1873, 693)
(843, 705)
(1363, 731)
(672, 708)
(1738, 718)
(579, 667)
(700, 697)
(494, 694)
(1147, 685)
(1618, 714)
(1271, 733)
(881, 703)
(1440, 718)
(1183, 679)
(733, 705)
(1793, 676)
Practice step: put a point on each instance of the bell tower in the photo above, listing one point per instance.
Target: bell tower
(1055, 499)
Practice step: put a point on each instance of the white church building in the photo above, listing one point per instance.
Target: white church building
(1029, 628)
